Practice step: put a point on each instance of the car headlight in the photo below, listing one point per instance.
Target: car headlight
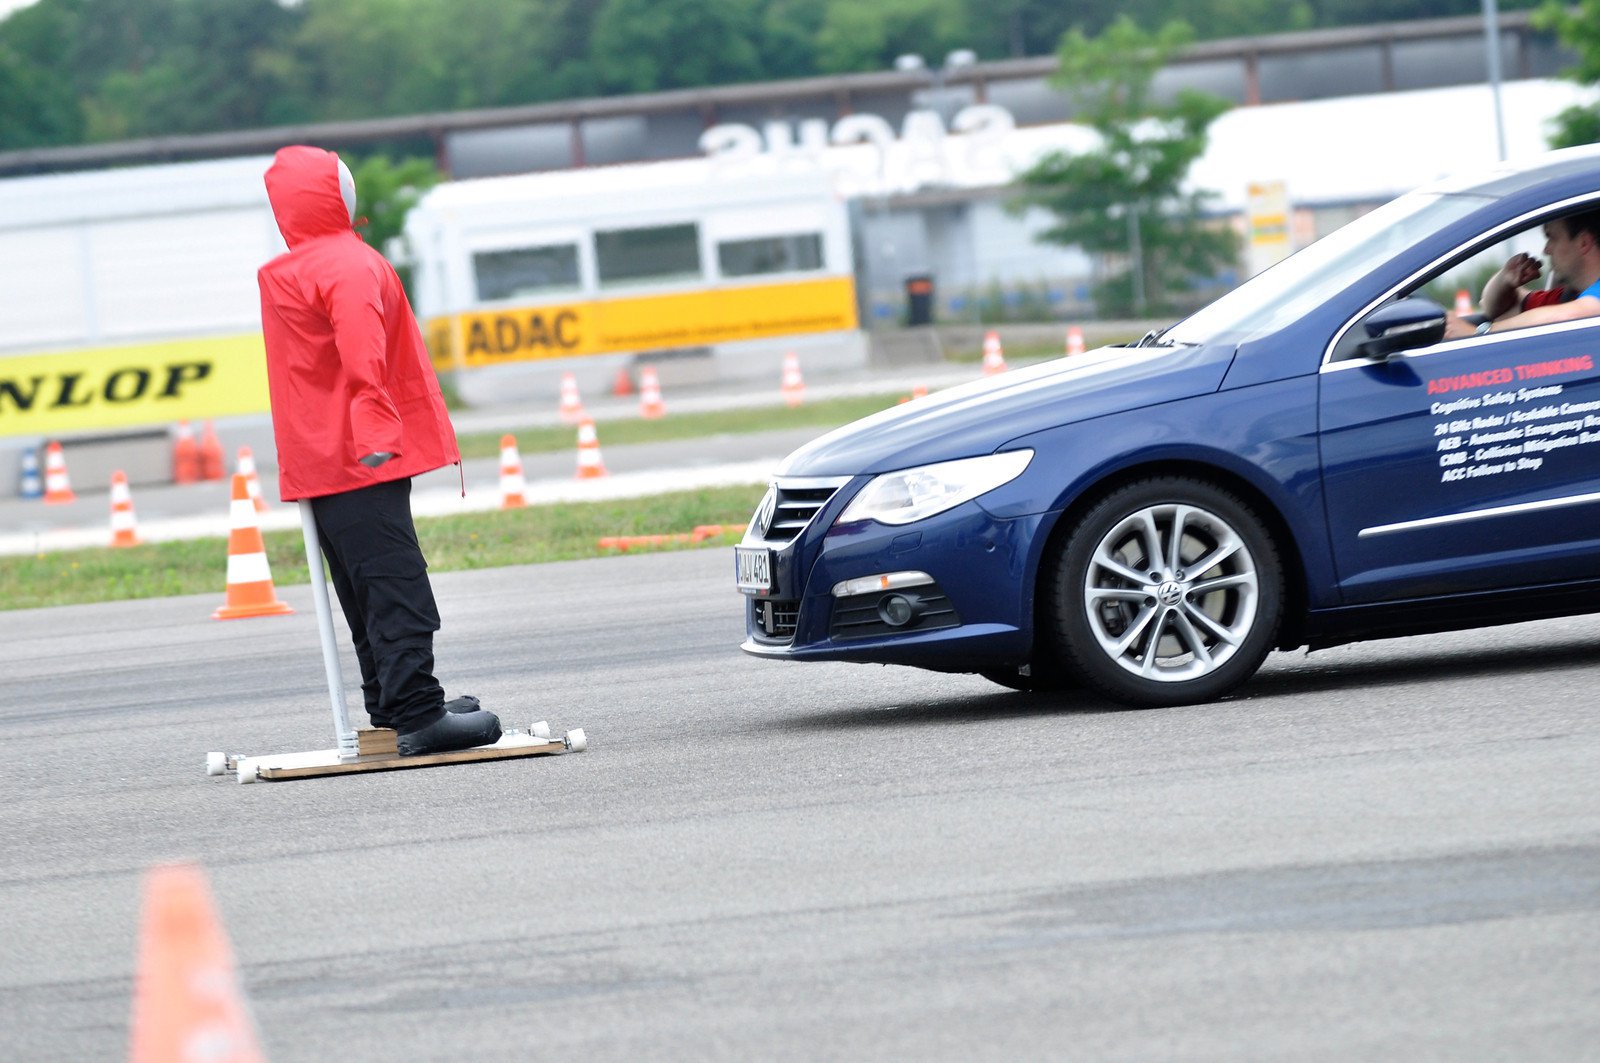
(914, 494)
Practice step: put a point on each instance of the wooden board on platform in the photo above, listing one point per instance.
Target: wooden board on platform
(326, 761)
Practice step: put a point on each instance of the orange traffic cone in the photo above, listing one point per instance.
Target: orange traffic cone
(513, 488)
(1463, 303)
(211, 461)
(245, 465)
(794, 386)
(124, 528)
(187, 1003)
(571, 404)
(1074, 340)
(994, 359)
(650, 404)
(185, 456)
(590, 464)
(57, 487)
(250, 590)
(623, 384)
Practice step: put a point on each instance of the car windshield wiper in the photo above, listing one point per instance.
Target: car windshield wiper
(1156, 337)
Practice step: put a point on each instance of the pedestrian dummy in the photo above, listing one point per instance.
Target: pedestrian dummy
(357, 412)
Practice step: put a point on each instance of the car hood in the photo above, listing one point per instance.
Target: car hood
(981, 417)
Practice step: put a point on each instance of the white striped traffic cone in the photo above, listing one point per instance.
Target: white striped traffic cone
(994, 358)
(794, 386)
(513, 488)
(57, 487)
(571, 405)
(590, 465)
(250, 590)
(1463, 303)
(124, 528)
(1074, 340)
(245, 465)
(650, 404)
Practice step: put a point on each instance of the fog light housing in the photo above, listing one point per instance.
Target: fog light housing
(897, 610)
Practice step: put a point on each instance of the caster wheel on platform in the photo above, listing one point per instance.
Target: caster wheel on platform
(540, 729)
(575, 740)
(216, 763)
(246, 771)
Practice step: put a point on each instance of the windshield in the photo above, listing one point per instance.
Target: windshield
(1272, 299)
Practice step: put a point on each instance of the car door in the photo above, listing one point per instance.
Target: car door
(1467, 465)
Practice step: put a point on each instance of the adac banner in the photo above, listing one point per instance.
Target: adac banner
(642, 323)
(119, 387)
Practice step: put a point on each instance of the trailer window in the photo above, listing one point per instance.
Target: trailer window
(661, 253)
(526, 271)
(798, 253)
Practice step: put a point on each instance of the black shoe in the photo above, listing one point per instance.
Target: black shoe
(451, 731)
(465, 703)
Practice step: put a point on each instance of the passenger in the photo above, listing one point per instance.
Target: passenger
(1573, 246)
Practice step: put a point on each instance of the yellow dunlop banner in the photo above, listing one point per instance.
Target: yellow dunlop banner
(117, 387)
(643, 323)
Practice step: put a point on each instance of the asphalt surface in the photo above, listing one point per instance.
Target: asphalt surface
(1386, 851)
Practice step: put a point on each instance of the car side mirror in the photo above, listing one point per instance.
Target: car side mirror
(1402, 326)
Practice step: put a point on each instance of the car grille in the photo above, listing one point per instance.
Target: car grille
(773, 621)
(797, 502)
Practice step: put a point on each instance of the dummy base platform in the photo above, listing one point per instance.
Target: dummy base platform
(376, 751)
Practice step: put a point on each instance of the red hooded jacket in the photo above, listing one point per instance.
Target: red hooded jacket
(346, 366)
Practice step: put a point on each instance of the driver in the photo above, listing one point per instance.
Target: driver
(1573, 246)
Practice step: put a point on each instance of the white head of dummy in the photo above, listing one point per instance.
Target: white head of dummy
(347, 188)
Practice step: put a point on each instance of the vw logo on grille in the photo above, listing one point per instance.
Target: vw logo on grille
(769, 505)
(1169, 593)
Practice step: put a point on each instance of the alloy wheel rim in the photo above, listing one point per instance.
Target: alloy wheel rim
(1171, 593)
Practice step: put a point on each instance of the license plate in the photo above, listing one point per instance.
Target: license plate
(752, 569)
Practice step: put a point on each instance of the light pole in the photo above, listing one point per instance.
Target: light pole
(1491, 42)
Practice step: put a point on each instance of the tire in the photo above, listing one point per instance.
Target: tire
(1164, 633)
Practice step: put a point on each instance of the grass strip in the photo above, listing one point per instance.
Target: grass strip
(557, 532)
(826, 413)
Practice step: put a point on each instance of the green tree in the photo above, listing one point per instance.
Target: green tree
(646, 45)
(1125, 199)
(386, 190)
(1579, 29)
(869, 36)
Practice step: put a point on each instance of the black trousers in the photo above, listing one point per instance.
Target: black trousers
(381, 579)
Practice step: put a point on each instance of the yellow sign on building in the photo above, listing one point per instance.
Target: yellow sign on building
(642, 323)
(117, 387)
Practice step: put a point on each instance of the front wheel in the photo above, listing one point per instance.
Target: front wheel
(1168, 592)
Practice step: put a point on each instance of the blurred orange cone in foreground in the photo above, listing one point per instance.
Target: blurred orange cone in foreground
(124, 528)
(994, 359)
(57, 487)
(1074, 340)
(650, 404)
(571, 408)
(513, 488)
(245, 465)
(250, 590)
(185, 456)
(187, 1004)
(1463, 303)
(794, 386)
(590, 464)
(211, 462)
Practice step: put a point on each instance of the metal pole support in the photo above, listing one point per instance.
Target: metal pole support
(344, 735)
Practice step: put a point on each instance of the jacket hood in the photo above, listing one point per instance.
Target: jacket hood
(303, 188)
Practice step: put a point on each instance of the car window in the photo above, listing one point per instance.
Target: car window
(1309, 277)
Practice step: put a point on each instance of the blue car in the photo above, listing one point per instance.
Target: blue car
(1307, 461)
